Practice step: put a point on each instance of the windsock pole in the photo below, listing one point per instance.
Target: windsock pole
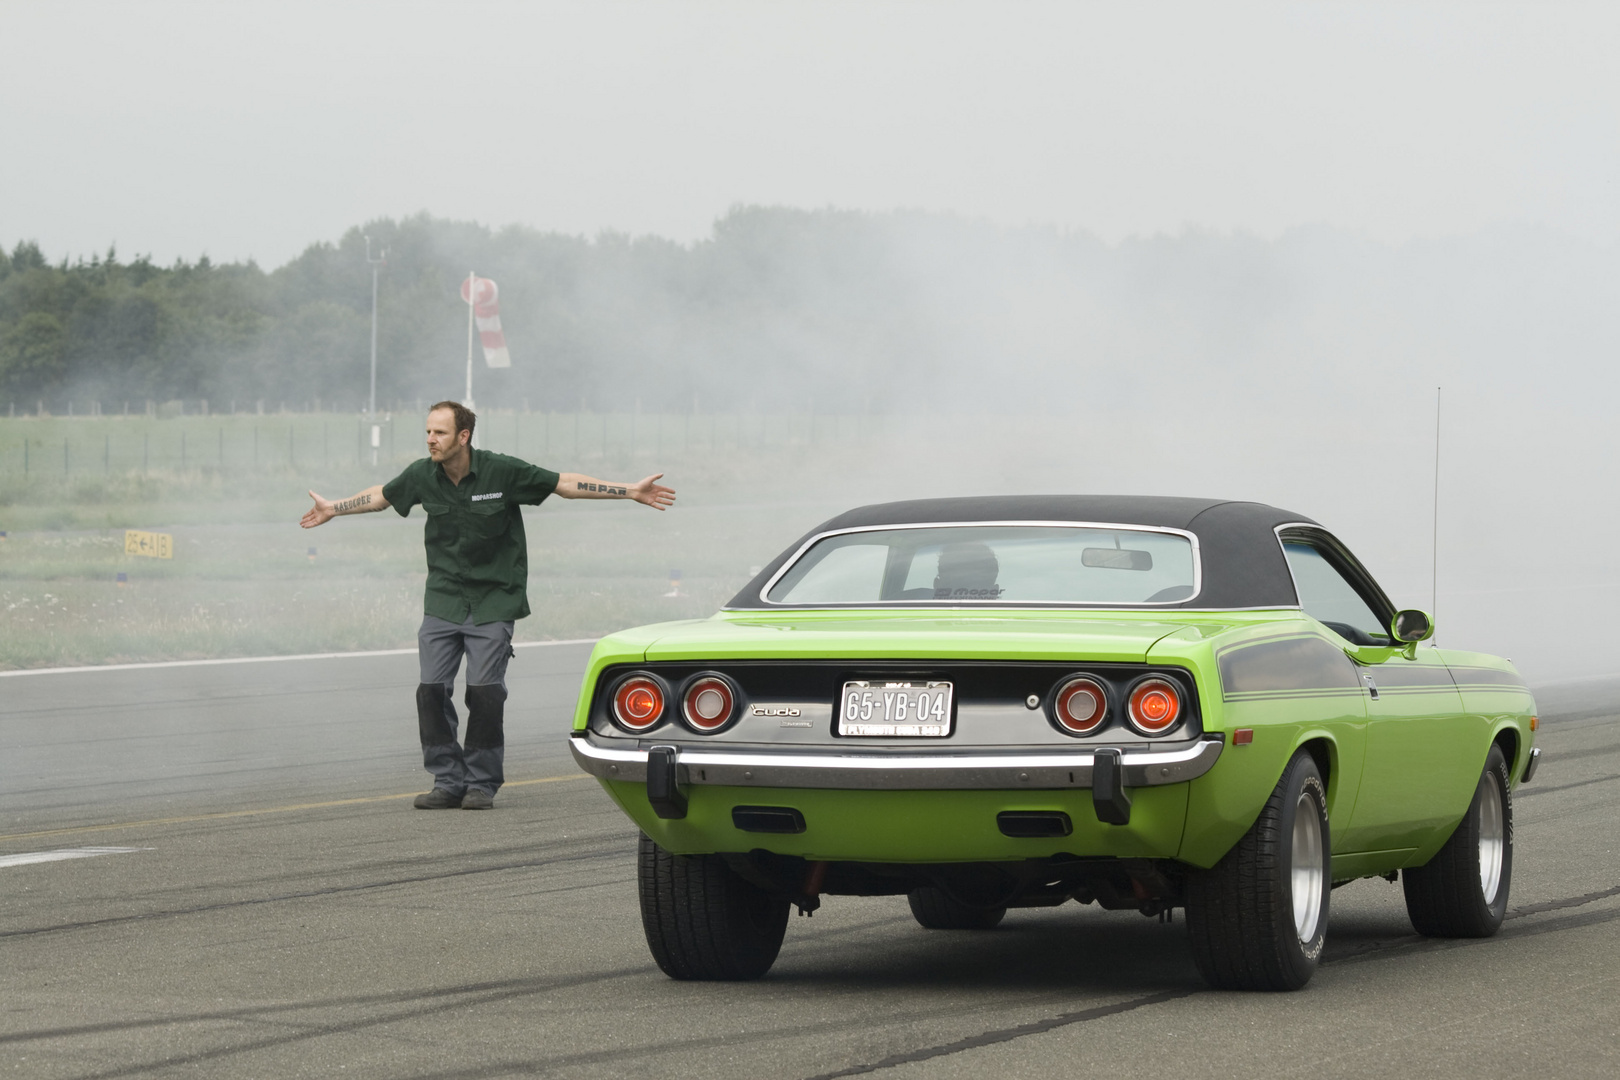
(472, 302)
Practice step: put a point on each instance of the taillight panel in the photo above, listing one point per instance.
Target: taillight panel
(795, 702)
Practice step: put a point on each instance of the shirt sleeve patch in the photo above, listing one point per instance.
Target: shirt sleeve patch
(403, 492)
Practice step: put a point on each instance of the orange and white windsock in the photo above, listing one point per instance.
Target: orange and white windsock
(484, 296)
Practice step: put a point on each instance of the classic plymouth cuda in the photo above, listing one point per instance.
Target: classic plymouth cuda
(1018, 701)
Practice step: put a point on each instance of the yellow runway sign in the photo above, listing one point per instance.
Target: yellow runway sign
(152, 545)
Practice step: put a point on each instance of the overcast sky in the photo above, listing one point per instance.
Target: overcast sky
(251, 129)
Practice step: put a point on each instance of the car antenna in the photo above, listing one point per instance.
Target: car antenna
(1434, 531)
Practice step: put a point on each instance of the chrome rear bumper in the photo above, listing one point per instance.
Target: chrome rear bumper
(897, 771)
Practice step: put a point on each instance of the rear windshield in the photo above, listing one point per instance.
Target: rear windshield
(992, 564)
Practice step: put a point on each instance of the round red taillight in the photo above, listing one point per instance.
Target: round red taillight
(1155, 706)
(1080, 706)
(638, 703)
(708, 704)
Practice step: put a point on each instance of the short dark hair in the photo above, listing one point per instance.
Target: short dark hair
(466, 419)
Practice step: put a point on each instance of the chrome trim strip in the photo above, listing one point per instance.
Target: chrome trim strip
(890, 605)
(1530, 766)
(868, 772)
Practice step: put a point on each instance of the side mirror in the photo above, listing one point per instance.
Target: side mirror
(1411, 626)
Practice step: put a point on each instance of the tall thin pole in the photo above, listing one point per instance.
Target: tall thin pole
(472, 298)
(371, 409)
(1434, 533)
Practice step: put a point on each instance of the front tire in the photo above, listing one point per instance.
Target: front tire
(705, 922)
(1463, 891)
(935, 909)
(1257, 919)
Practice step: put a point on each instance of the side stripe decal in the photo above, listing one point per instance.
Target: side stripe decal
(1302, 663)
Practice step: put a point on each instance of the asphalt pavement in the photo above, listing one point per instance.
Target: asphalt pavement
(215, 871)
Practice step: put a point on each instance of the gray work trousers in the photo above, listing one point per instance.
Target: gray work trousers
(440, 646)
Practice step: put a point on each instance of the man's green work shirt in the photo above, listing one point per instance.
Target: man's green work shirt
(477, 554)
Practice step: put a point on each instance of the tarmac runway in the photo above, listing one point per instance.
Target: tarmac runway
(215, 871)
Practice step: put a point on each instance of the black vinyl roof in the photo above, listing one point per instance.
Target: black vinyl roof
(1243, 563)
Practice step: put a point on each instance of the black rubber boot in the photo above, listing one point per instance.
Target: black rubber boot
(436, 722)
(486, 737)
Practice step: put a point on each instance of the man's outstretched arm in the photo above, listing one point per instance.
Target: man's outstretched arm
(648, 492)
(368, 501)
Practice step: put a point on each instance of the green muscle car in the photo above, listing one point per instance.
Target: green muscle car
(1011, 701)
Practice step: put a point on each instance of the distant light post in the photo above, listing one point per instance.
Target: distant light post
(371, 411)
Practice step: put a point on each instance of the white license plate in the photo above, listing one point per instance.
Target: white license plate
(895, 709)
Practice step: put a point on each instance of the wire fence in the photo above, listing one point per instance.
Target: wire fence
(40, 448)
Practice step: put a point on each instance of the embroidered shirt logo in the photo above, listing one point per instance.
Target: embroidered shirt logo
(491, 495)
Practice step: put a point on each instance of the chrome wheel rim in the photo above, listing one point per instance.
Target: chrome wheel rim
(1306, 869)
(1492, 837)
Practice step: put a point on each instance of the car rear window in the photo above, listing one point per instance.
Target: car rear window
(992, 564)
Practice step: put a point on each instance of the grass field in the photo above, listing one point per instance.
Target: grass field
(243, 581)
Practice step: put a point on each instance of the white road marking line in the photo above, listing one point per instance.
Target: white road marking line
(260, 659)
(27, 857)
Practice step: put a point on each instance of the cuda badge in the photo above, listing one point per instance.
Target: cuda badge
(766, 710)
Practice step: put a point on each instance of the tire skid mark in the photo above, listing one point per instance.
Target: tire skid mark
(467, 997)
(333, 890)
(1415, 944)
(992, 1038)
(836, 1026)
(397, 997)
(462, 1001)
(1373, 951)
(567, 849)
(1561, 905)
(1549, 789)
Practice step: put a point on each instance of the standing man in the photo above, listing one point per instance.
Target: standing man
(477, 587)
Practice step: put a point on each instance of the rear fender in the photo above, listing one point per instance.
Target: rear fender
(1224, 803)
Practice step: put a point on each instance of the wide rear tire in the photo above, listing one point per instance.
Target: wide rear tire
(1463, 891)
(1257, 919)
(703, 921)
(935, 909)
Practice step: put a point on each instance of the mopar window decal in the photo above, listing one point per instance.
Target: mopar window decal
(1286, 664)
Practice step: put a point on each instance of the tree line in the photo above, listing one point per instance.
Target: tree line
(827, 310)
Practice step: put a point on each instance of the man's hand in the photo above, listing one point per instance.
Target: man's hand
(319, 514)
(651, 494)
(647, 492)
